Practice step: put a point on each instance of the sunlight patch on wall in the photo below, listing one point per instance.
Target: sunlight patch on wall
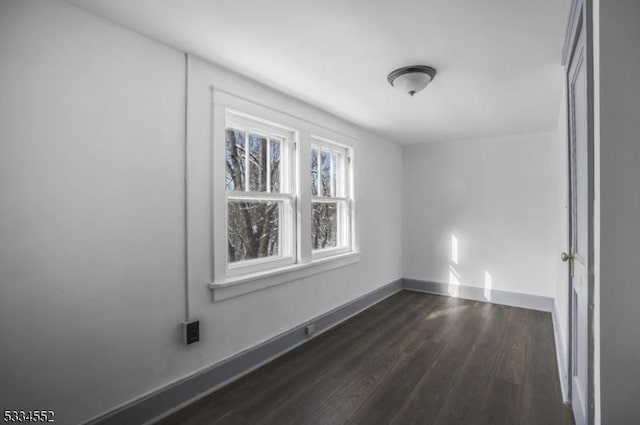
(488, 284)
(454, 282)
(454, 249)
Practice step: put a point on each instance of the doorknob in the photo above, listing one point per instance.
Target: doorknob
(566, 257)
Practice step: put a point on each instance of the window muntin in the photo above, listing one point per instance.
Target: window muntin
(260, 194)
(330, 198)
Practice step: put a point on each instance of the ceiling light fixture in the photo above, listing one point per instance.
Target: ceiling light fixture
(411, 79)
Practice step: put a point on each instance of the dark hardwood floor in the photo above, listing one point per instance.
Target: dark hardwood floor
(412, 359)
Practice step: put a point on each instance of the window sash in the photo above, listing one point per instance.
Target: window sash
(338, 185)
(339, 193)
(344, 227)
(286, 233)
(271, 135)
(285, 196)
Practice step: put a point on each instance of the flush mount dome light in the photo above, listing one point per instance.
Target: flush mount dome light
(411, 79)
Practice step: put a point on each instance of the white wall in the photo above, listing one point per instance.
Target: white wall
(499, 197)
(91, 217)
(618, 146)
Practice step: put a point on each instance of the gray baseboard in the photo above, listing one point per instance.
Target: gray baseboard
(514, 299)
(159, 404)
(560, 356)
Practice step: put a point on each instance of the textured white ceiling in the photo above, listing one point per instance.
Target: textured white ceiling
(498, 61)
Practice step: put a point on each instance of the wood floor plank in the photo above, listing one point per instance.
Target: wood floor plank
(408, 373)
(278, 375)
(512, 352)
(467, 395)
(344, 388)
(411, 359)
(357, 386)
(541, 387)
(500, 405)
(424, 404)
(277, 397)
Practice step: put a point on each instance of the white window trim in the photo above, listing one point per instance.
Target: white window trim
(233, 287)
(229, 281)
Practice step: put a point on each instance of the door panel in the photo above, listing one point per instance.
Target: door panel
(579, 238)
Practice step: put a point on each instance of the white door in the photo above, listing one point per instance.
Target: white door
(579, 244)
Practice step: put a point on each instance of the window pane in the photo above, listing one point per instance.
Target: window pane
(324, 225)
(253, 230)
(314, 171)
(257, 163)
(334, 173)
(325, 173)
(276, 146)
(235, 159)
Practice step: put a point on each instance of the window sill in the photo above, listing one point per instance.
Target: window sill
(236, 286)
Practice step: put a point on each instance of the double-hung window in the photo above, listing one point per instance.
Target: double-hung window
(260, 194)
(331, 203)
(282, 198)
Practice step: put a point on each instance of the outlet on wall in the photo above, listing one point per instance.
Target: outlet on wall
(190, 332)
(309, 329)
